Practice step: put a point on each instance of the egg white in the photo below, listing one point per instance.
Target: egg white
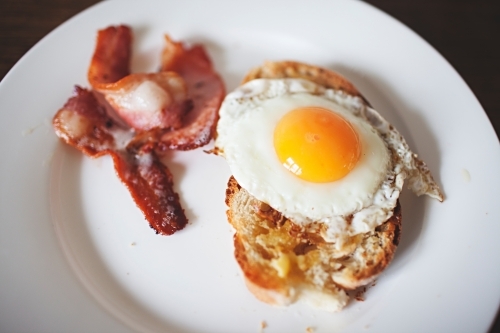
(355, 204)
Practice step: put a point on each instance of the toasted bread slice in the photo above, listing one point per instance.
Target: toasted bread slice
(284, 262)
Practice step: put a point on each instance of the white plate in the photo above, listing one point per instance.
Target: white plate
(77, 256)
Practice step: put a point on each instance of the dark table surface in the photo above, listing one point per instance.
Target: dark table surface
(465, 32)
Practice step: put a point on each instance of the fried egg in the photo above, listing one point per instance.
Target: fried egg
(316, 155)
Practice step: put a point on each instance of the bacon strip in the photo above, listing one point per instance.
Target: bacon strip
(83, 124)
(143, 101)
(111, 59)
(151, 185)
(205, 89)
(109, 74)
(187, 83)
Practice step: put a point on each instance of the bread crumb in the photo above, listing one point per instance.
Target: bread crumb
(263, 325)
(310, 329)
(360, 295)
(133, 244)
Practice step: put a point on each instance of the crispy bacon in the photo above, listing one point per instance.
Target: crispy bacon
(151, 185)
(109, 74)
(205, 89)
(82, 123)
(111, 59)
(181, 115)
(143, 101)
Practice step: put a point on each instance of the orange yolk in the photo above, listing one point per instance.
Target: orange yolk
(316, 144)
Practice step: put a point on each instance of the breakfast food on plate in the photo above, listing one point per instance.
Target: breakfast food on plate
(137, 117)
(316, 177)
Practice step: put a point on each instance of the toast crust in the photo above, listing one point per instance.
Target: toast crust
(297, 70)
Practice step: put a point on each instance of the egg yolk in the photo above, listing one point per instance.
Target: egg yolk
(316, 144)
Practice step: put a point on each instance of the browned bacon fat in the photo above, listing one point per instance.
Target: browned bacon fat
(147, 101)
(181, 115)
